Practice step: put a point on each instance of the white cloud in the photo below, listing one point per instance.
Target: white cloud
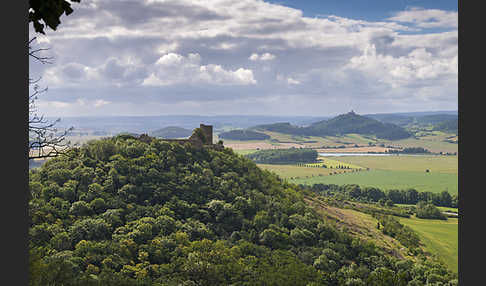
(427, 18)
(292, 81)
(100, 102)
(172, 69)
(262, 57)
(178, 51)
(418, 68)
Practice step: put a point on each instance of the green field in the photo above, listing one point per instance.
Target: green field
(332, 163)
(440, 164)
(434, 143)
(244, 152)
(292, 171)
(445, 209)
(387, 179)
(439, 237)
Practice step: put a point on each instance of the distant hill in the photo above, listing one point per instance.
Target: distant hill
(447, 126)
(281, 127)
(400, 120)
(243, 135)
(436, 119)
(411, 119)
(171, 132)
(341, 125)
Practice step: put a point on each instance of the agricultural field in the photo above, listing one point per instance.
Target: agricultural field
(334, 164)
(439, 237)
(293, 171)
(413, 163)
(386, 179)
(444, 209)
(244, 151)
(434, 142)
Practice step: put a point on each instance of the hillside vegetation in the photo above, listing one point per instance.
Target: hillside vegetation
(120, 211)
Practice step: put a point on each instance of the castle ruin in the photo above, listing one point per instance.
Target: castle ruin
(201, 137)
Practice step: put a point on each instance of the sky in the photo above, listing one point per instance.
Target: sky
(249, 57)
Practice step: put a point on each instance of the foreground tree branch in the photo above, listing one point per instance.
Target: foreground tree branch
(45, 141)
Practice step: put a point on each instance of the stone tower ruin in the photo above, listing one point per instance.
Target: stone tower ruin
(208, 133)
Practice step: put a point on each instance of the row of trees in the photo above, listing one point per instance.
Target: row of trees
(410, 150)
(372, 194)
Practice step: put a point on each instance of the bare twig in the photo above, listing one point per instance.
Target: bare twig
(44, 139)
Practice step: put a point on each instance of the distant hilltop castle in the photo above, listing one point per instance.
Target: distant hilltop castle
(202, 136)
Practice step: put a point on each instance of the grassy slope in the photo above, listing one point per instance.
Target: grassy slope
(359, 225)
(439, 237)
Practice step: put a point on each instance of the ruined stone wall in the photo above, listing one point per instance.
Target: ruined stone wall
(208, 133)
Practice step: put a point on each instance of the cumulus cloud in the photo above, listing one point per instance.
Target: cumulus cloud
(262, 57)
(100, 102)
(416, 67)
(427, 18)
(173, 69)
(292, 81)
(235, 53)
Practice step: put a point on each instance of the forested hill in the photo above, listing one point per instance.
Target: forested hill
(448, 126)
(340, 125)
(121, 211)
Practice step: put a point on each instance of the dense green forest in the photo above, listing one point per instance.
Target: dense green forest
(284, 156)
(120, 211)
(340, 125)
(243, 135)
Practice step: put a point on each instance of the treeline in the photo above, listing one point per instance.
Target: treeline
(122, 211)
(372, 194)
(243, 135)
(410, 150)
(284, 156)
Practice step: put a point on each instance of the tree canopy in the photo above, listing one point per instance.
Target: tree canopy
(48, 13)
